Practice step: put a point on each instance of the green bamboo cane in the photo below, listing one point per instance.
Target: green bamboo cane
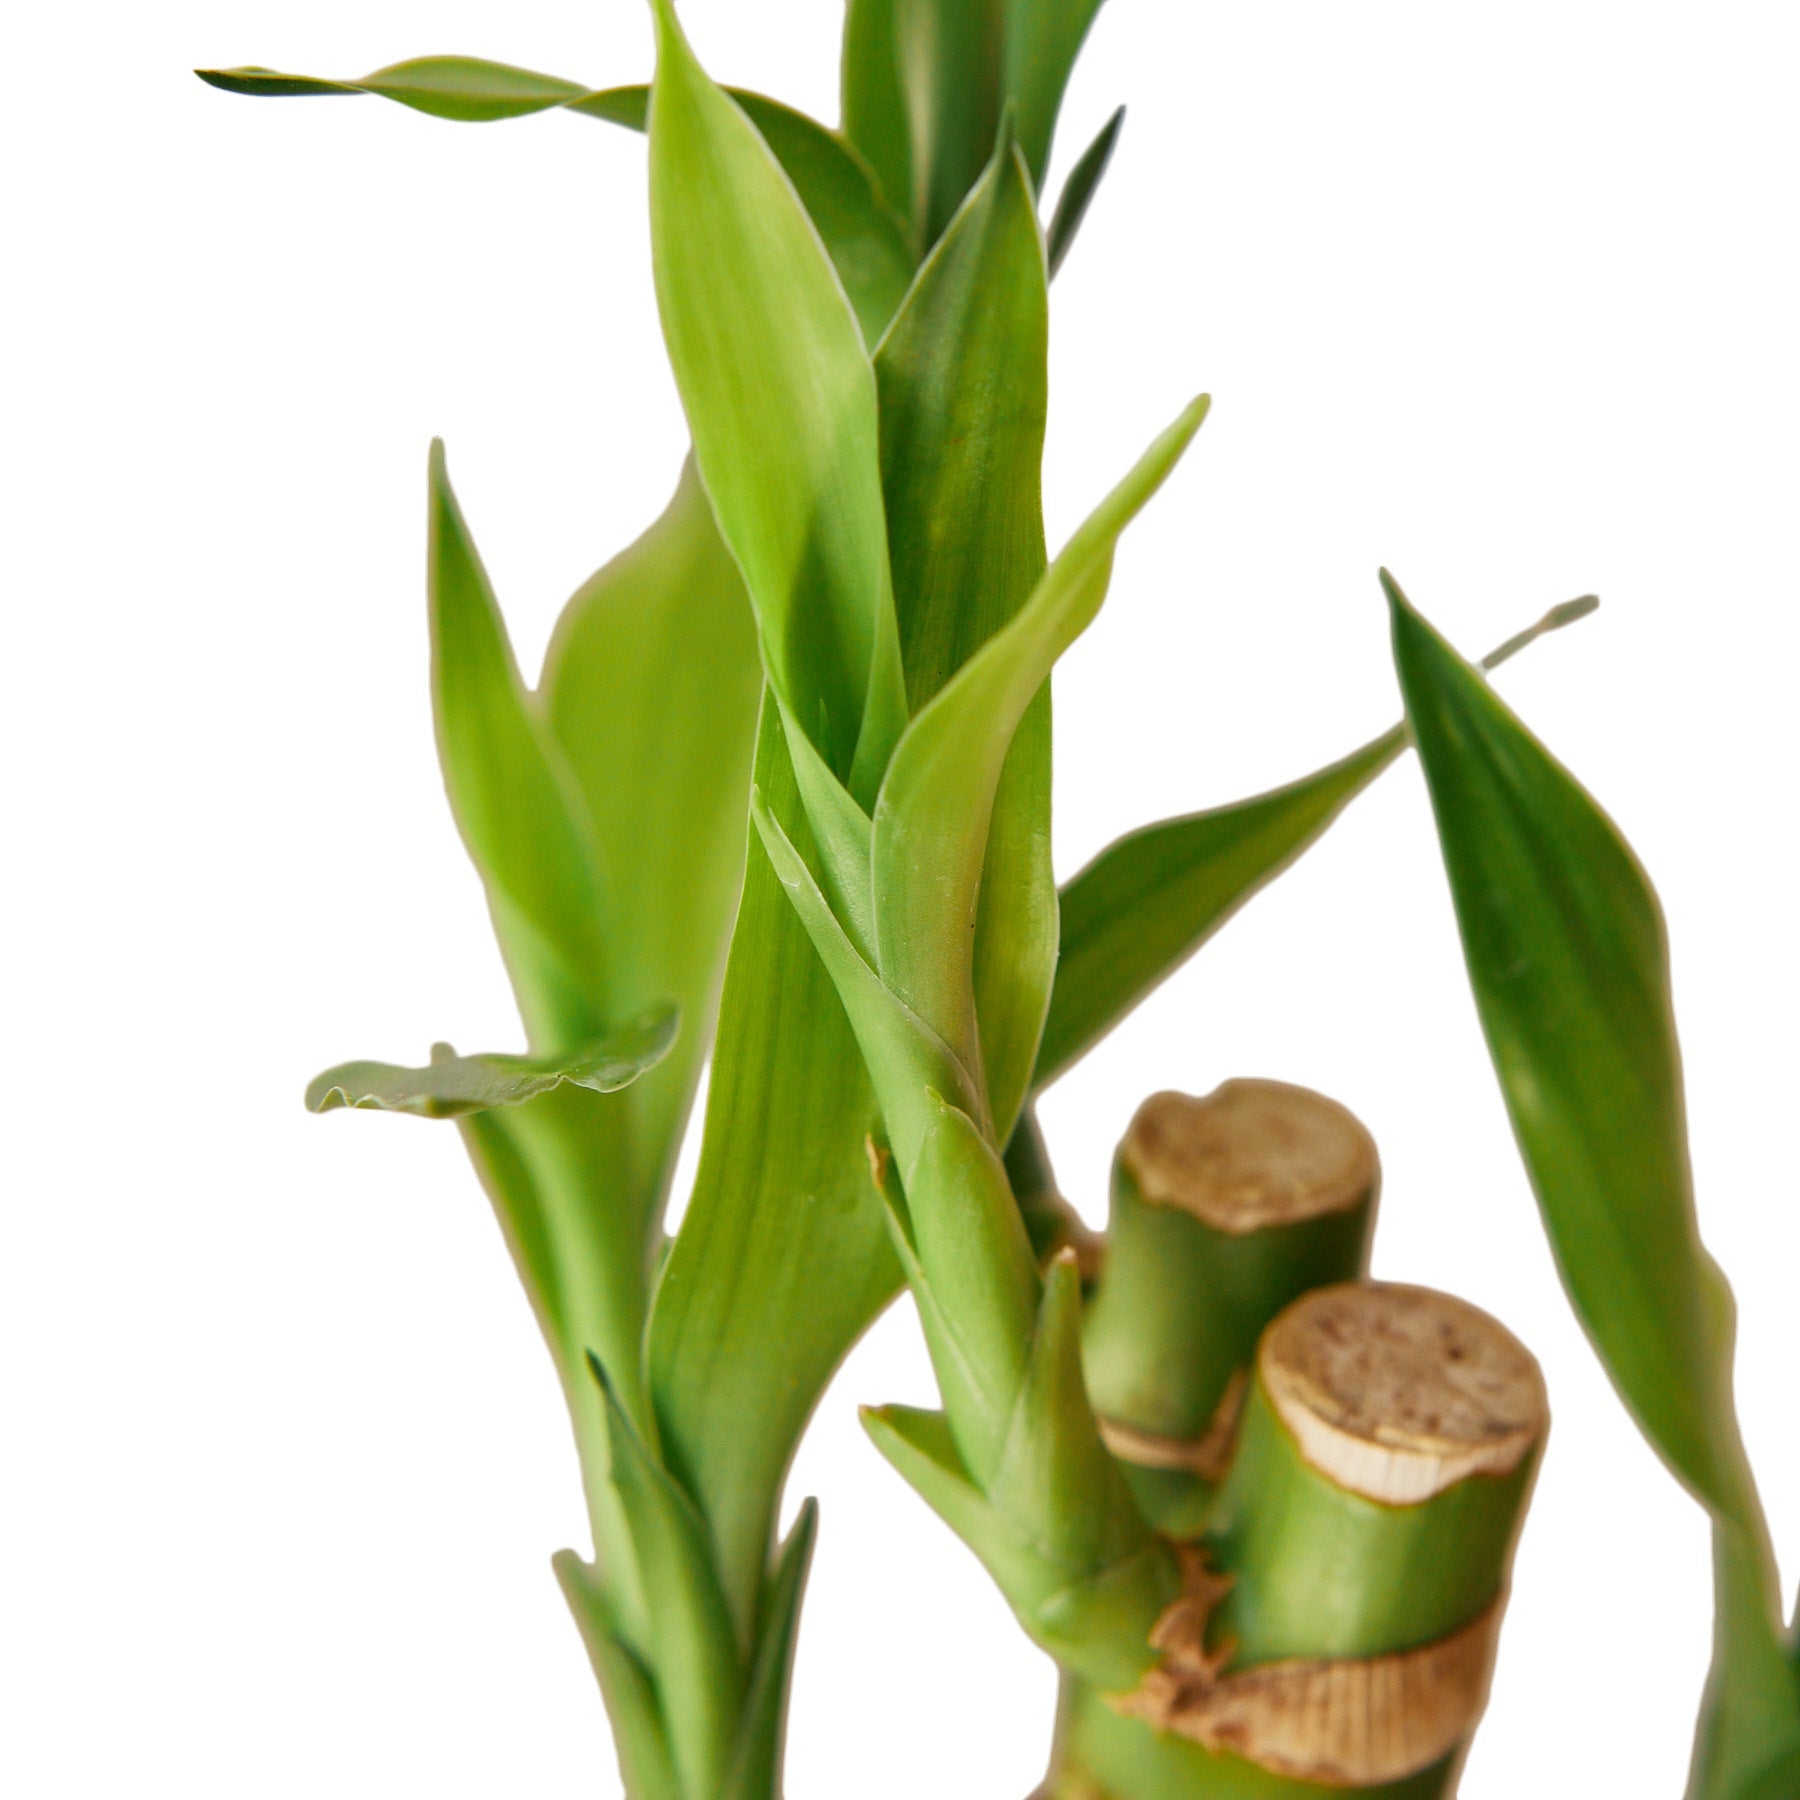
(1340, 1631)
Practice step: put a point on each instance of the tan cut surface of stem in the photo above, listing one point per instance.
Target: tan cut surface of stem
(1250, 1155)
(1397, 1393)
(1207, 1456)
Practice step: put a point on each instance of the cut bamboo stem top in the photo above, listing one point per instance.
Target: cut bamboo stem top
(1251, 1156)
(1397, 1393)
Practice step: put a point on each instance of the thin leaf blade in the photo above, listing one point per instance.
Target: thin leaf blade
(452, 1086)
(1079, 190)
(1043, 39)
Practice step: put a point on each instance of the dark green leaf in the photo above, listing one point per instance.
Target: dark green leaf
(781, 401)
(1568, 960)
(1078, 190)
(1043, 38)
(453, 1085)
(782, 1259)
(1147, 902)
(963, 389)
(514, 797)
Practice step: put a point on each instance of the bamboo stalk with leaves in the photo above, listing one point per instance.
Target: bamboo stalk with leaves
(781, 800)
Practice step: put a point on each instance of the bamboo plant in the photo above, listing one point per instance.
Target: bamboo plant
(779, 802)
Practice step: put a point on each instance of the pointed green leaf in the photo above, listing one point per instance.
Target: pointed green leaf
(867, 241)
(1148, 901)
(949, 56)
(1569, 964)
(931, 820)
(783, 1258)
(449, 87)
(1055, 1479)
(1568, 960)
(874, 107)
(781, 402)
(637, 1727)
(1078, 191)
(651, 686)
(963, 384)
(698, 1676)
(514, 796)
(1043, 38)
(756, 1769)
(452, 1085)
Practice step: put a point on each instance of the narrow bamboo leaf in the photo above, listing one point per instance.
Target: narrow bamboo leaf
(1043, 38)
(781, 401)
(698, 1677)
(452, 1085)
(962, 378)
(783, 1256)
(625, 1685)
(949, 55)
(449, 87)
(651, 685)
(869, 244)
(514, 797)
(1148, 901)
(1569, 964)
(756, 1770)
(842, 831)
(907, 1061)
(1079, 190)
(874, 106)
(931, 820)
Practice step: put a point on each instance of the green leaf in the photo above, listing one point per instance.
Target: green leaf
(1568, 959)
(1148, 901)
(1043, 38)
(756, 1769)
(453, 1085)
(874, 107)
(651, 686)
(514, 797)
(868, 242)
(781, 402)
(931, 821)
(963, 386)
(783, 1258)
(625, 1685)
(1078, 191)
(698, 1676)
(448, 87)
(949, 55)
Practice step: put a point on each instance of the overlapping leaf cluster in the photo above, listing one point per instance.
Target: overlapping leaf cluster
(842, 630)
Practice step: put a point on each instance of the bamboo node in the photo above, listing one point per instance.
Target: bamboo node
(1348, 1722)
(1250, 1155)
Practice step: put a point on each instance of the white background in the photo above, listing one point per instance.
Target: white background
(1504, 299)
